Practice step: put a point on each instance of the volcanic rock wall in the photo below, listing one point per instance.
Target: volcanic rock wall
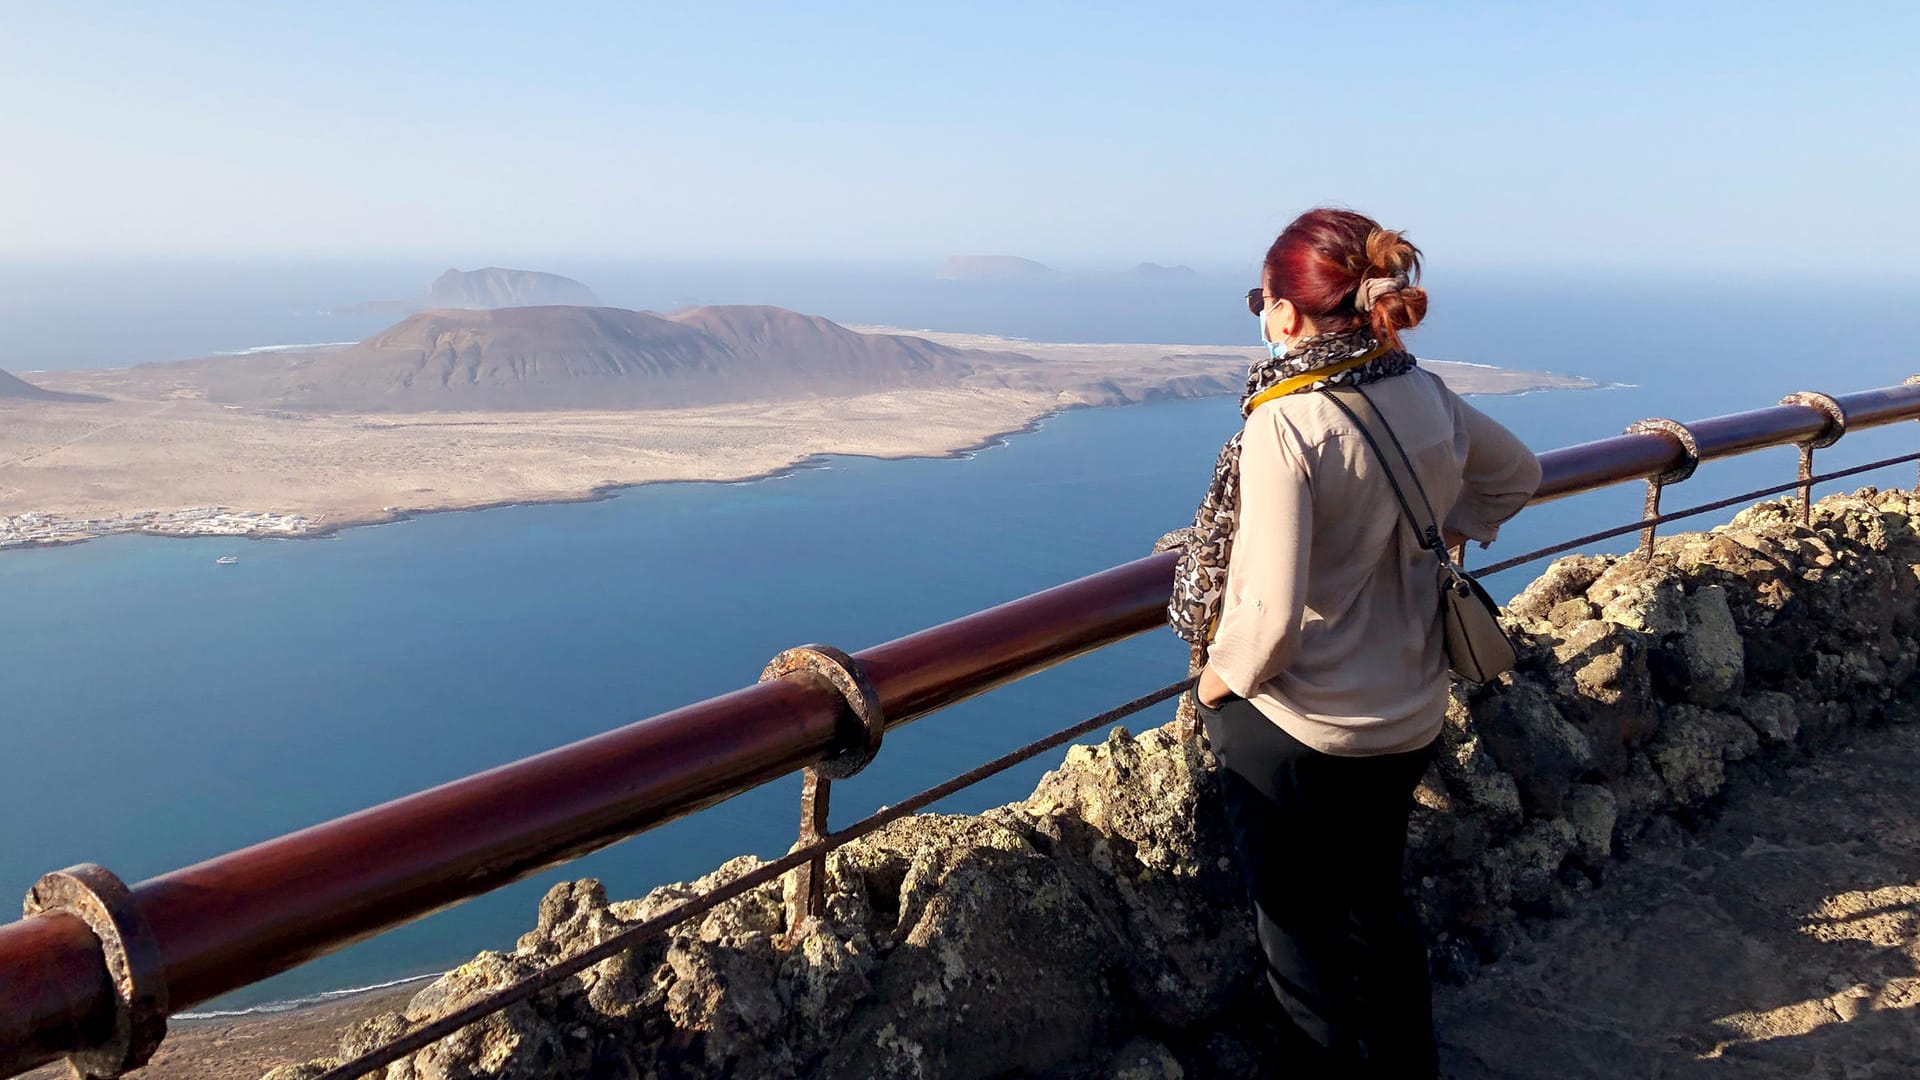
(1098, 929)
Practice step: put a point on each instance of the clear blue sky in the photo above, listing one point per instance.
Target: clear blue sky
(1776, 137)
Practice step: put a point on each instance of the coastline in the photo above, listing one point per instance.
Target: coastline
(810, 463)
(179, 466)
(326, 526)
(245, 1046)
(581, 457)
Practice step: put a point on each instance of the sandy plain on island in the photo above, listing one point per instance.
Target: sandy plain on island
(158, 447)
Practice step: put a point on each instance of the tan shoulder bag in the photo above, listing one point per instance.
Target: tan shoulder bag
(1477, 648)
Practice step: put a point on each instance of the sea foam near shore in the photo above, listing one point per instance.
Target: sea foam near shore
(309, 1001)
(257, 349)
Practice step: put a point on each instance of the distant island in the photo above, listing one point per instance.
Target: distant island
(1015, 268)
(1158, 272)
(458, 409)
(494, 287)
(486, 288)
(993, 268)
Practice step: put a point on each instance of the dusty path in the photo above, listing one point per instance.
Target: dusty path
(1781, 940)
(31, 453)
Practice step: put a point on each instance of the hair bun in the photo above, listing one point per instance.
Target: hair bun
(1387, 293)
(1389, 254)
(1345, 272)
(1397, 310)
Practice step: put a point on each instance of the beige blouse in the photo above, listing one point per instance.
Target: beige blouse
(1330, 623)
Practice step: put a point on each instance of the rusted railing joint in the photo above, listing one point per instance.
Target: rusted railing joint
(95, 896)
(1689, 446)
(1832, 433)
(808, 895)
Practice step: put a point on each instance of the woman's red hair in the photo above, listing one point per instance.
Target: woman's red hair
(1319, 261)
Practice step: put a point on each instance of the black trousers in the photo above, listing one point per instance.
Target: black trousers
(1321, 840)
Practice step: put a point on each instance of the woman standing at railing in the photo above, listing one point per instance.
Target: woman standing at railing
(1325, 679)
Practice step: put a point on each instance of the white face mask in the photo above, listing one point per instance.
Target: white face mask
(1275, 349)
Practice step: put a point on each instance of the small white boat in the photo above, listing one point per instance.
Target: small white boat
(227, 560)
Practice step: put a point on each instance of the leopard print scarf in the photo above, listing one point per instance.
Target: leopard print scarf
(1200, 581)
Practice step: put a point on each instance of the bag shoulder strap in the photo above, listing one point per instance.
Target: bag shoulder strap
(1360, 409)
(1405, 458)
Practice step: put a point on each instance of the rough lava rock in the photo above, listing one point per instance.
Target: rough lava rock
(1098, 929)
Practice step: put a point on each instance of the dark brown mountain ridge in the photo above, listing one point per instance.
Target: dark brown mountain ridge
(567, 357)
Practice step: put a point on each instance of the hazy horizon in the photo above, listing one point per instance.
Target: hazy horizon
(1724, 138)
(117, 311)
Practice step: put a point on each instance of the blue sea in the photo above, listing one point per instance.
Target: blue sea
(161, 709)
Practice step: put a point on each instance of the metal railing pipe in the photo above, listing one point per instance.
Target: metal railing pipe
(244, 916)
(1603, 463)
(1590, 466)
(55, 995)
(1875, 408)
(932, 669)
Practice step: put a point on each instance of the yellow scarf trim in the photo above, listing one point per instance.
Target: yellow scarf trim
(1300, 382)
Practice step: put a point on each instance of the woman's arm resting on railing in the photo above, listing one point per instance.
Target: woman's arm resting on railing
(1501, 474)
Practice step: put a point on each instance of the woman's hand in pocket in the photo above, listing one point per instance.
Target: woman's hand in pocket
(1212, 689)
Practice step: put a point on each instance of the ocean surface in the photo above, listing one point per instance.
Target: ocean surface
(161, 709)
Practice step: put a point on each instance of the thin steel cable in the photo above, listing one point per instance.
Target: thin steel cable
(424, 1036)
(1692, 511)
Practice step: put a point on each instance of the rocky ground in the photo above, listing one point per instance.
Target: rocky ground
(1584, 859)
(1808, 941)
(1780, 940)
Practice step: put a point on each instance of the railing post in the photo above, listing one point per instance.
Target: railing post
(810, 881)
(807, 895)
(1678, 432)
(1836, 427)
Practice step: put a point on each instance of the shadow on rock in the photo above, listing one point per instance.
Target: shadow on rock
(1099, 929)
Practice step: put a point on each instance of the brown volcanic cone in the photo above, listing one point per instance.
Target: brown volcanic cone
(563, 357)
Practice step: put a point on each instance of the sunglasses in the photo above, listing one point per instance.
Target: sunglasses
(1257, 301)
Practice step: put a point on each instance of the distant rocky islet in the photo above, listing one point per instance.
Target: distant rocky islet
(487, 287)
(496, 287)
(1016, 268)
(993, 268)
